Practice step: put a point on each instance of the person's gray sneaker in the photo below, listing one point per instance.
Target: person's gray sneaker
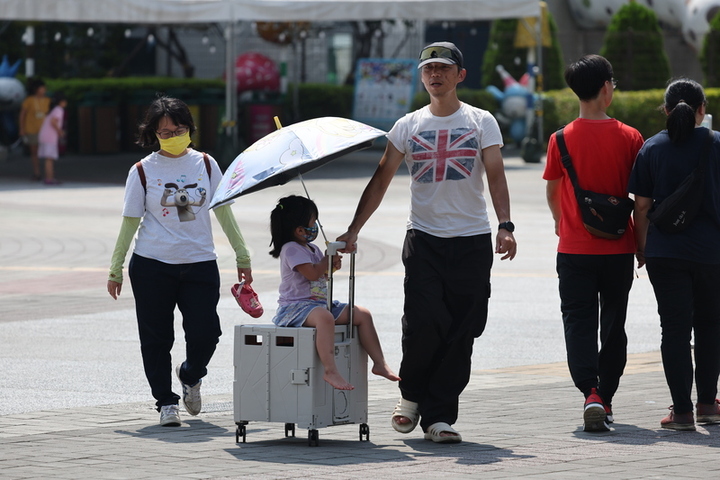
(170, 416)
(191, 394)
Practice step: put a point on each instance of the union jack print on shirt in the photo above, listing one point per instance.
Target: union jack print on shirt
(439, 155)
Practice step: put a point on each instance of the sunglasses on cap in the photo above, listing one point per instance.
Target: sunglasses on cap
(441, 54)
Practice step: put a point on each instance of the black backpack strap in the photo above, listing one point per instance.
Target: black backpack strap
(207, 165)
(141, 173)
(566, 159)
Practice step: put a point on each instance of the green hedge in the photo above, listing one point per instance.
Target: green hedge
(320, 100)
(122, 89)
(638, 109)
(123, 93)
(314, 100)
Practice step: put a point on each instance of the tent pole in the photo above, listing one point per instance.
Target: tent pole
(540, 86)
(230, 89)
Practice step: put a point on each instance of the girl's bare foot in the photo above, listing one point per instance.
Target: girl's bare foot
(385, 371)
(337, 381)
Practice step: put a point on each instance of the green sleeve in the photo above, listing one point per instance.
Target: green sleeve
(232, 231)
(122, 245)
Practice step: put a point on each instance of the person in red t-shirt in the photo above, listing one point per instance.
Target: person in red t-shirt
(595, 273)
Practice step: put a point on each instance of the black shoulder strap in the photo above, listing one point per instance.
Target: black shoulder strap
(207, 165)
(143, 180)
(565, 157)
(141, 173)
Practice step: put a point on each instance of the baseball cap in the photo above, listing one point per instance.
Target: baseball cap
(442, 52)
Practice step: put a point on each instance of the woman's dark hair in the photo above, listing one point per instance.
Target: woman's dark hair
(683, 97)
(56, 99)
(163, 106)
(588, 75)
(290, 212)
(34, 83)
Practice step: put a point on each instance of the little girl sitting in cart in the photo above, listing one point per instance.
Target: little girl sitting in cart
(303, 289)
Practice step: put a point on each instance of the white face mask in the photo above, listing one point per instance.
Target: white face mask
(175, 145)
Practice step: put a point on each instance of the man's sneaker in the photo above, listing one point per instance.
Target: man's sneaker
(594, 416)
(678, 421)
(191, 394)
(170, 416)
(608, 414)
(708, 413)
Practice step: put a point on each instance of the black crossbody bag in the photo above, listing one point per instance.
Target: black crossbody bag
(679, 209)
(603, 215)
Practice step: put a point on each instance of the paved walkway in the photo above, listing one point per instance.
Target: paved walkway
(74, 404)
(519, 422)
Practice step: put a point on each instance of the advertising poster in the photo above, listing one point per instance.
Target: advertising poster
(384, 89)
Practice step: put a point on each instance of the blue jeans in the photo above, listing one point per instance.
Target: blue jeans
(688, 300)
(158, 288)
(594, 289)
(447, 287)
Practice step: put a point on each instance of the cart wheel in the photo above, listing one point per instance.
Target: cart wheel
(364, 432)
(241, 431)
(313, 438)
(289, 429)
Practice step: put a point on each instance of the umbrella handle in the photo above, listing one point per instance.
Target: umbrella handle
(332, 249)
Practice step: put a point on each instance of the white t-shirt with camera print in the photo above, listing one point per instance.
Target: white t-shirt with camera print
(175, 225)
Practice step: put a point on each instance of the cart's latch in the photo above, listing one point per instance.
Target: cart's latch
(300, 377)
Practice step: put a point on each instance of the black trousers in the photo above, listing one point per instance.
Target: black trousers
(688, 299)
(594, 289)
(158, 288)
(447, 287)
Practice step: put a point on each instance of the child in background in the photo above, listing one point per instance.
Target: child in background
(303, 289)
(49, 136)
(32, 113)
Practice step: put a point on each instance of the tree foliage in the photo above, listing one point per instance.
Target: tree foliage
(501, 51)
(66, 50)
(710, 54)
(634, 45)
(83, 50)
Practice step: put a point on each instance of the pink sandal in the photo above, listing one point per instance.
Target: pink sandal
(247, 299)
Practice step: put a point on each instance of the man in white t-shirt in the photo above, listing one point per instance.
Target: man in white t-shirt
(447, 146)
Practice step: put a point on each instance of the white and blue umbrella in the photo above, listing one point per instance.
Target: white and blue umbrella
(291, 151)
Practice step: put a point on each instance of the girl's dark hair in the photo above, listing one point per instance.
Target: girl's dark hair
(56, 99)
(683, 97)
(290, 212)
(173, 108)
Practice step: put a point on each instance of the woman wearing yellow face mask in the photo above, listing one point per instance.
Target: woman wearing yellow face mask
(174, 261)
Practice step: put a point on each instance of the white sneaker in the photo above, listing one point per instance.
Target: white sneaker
(191, 395)
(170, 416)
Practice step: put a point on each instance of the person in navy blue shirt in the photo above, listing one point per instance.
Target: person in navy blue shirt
(684, 267)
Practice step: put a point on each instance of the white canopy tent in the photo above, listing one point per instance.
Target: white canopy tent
(230, 12)
(203, 11)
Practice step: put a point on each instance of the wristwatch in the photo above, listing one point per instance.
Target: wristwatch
(509, 226)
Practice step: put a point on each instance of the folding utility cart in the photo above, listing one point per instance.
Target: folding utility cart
(278, 375)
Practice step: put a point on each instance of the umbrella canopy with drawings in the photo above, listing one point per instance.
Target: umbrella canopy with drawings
(291, 151)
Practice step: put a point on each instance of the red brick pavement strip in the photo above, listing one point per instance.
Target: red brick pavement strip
(56, 280)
